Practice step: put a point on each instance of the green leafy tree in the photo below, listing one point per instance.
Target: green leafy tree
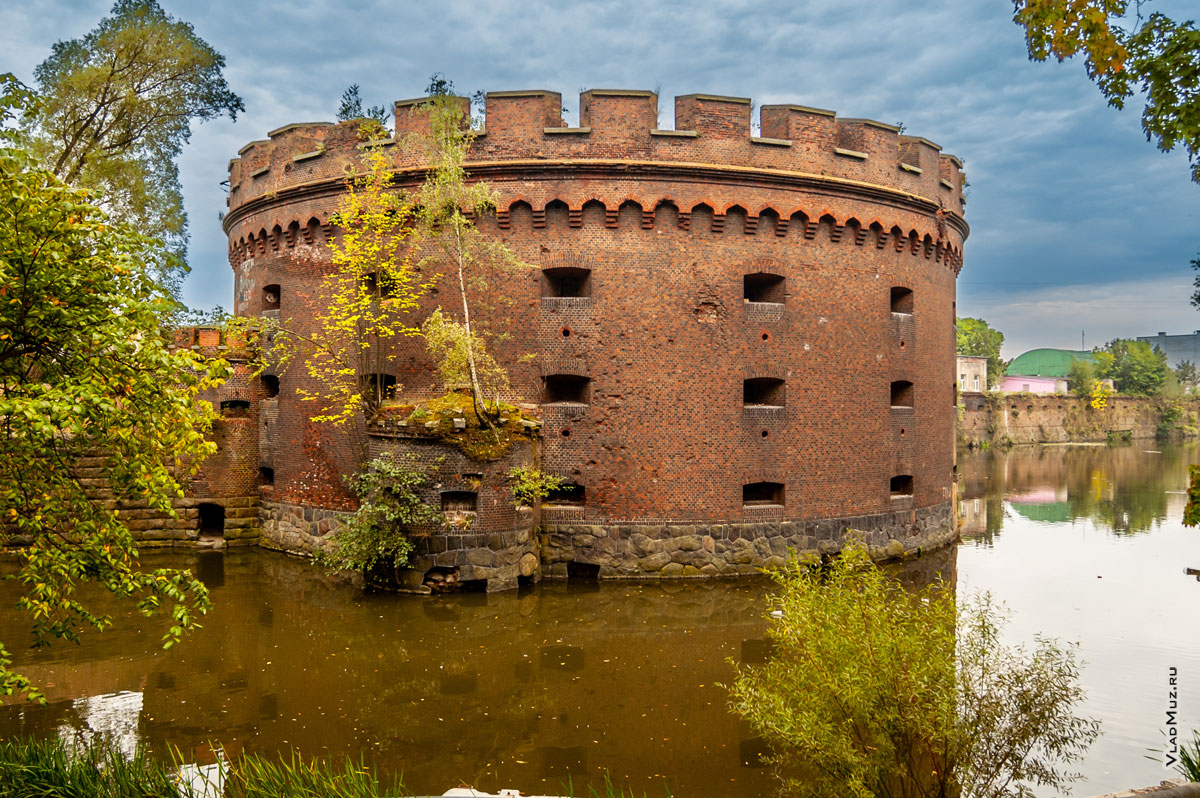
(94, 408)
(390, 511)
(1081, 378)
(115, 109)
(873, 691)
(1195, 300)
(444, 226)
(1155, 56)
(373, 121)
(1135, 367)
(975, 337)
(1187, 376)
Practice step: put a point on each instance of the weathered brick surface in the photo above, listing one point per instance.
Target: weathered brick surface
(668, 225)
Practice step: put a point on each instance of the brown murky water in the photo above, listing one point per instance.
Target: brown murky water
(565, 682)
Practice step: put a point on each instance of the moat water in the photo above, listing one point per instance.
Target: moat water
(564, 682)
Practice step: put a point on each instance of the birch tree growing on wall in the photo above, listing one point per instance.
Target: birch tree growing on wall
(442, 205)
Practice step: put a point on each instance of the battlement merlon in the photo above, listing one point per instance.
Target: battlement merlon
(620, 126)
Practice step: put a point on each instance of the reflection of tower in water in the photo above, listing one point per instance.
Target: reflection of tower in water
(109, 717)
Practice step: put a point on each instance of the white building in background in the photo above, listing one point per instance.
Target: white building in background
(972, 374)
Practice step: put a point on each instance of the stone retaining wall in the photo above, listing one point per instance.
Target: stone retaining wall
(498, 558)
(296, 529)
(152, 528)
(631, 551)
(1059, 418)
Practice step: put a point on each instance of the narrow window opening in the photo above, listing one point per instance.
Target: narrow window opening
(380, 387)
(235, 408)
(902, 299)
(270, 385)
(266, 476)
(459, 507)
(212, 521)
(459, 501)
(566, 281)
(763, 287)
(902, 393)
(570, 494)
(566, 389)
(763, 392)
(270, 297)
(901, 486)
(762, 494)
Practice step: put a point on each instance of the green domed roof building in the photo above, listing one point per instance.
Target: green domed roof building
(1047, 362)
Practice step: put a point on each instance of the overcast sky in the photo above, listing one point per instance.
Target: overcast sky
(1078, 223)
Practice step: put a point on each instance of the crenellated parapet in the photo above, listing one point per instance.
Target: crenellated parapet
(808, 157)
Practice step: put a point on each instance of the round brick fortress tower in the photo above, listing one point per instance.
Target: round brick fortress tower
(743, 344)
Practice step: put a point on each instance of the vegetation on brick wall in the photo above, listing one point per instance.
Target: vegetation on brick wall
(872, 690)
(87, 385)
(531, 485)
(446, 204)
(455, 349)
(435, 418)
(390, 511)
(372, 292)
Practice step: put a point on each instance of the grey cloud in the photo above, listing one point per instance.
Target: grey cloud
(1065, 190)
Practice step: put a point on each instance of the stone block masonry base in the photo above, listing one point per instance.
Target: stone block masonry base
(641, 551)
(501, 560)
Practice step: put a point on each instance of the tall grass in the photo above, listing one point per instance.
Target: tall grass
(51, 769)
(257, 777)
(55, 769)
(1189, 758)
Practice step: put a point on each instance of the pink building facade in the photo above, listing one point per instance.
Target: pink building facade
(1016, 383)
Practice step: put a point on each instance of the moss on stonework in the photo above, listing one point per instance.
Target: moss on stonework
(434, 418)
